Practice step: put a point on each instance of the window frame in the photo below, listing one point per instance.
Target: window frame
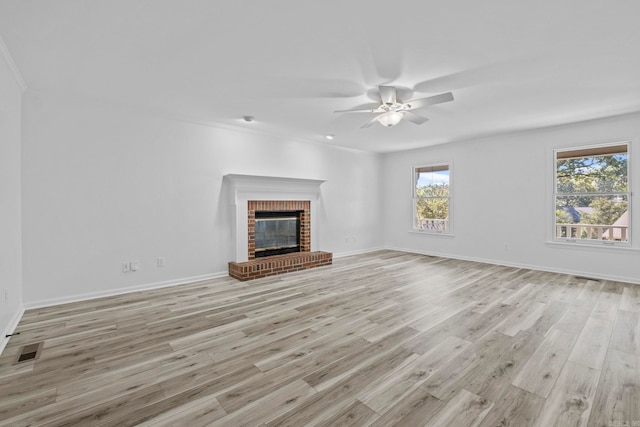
(555, 194)
(414, 198)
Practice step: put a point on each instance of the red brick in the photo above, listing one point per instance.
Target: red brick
(279, 264)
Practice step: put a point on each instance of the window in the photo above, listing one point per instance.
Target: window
(431, 198)
(592, 195)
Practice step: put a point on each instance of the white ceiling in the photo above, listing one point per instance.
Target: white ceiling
(290, 63)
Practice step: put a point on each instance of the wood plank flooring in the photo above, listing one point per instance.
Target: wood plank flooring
(380, 339)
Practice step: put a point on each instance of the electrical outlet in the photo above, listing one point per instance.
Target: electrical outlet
(135, 265)
(161, 261)
(126, 267)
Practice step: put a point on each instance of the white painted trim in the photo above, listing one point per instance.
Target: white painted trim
(122, 291)
(450, 230)
(252, 183)
(518, 265)
(241, 127)
(247, 129)
(243, 188)
(4, 51)
(597, 246)
(149, 286)
(357, 252)
(11, 327)
(629, 193)
(431, 233)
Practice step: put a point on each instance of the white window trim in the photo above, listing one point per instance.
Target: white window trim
(584, 243)
(413, 229)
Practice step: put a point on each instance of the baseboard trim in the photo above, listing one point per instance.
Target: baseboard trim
(150, 286)
(519, 265)
(11, 327)
(358, 252)
(120, 291)
(157, 285)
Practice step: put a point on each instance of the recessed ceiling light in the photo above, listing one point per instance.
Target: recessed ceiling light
(247, 119)
(329, 136)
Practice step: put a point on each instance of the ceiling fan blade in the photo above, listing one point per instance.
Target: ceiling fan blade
(369, 123)
(414, 118)
(387, 94)
(370, 110)
(431, 100)
(362, 108)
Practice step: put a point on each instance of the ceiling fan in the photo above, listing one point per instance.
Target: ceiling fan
(392, 109)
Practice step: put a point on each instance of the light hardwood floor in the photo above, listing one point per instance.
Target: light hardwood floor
(385, 338)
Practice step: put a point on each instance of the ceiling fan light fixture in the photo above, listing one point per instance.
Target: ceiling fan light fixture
(389, 119)
(392, 109)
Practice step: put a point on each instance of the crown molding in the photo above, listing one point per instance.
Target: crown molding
(4, 50)
(273, 134)
(167, 115)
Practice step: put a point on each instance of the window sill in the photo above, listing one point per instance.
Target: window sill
(431, 233)
(591, 247)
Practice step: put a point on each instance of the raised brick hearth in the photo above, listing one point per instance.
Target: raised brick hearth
(278, 264)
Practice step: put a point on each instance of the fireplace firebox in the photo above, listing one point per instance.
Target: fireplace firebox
(274, 220)
(277, 232)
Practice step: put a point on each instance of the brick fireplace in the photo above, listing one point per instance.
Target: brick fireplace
(294, 197)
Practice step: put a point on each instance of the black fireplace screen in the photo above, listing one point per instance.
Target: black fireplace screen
(277, 233)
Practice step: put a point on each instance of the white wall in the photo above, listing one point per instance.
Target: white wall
(10, 244)
(105, 185)
(514, 173)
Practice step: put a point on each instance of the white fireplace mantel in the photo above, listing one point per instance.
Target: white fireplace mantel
(242, 188)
